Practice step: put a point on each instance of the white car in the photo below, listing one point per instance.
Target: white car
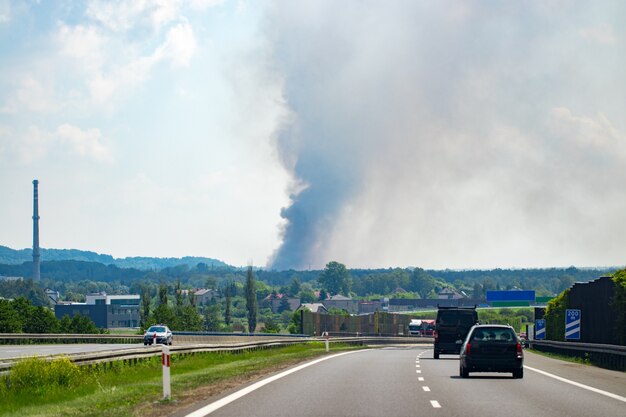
(162, 332)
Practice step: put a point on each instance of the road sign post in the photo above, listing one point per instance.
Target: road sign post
(572, 324)
(540, 329)
(326, 336)
(165, 360)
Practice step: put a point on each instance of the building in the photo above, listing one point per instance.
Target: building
(106, 311)
(205, 296)
(449, 294)
(314, 307)
(52, 295)
(343, 303)
(275, 301)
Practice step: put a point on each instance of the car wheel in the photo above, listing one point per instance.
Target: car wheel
(436, 355)
(464, 373)
(518, 373)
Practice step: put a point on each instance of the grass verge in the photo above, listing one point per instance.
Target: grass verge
(574, 359)
(125, 390)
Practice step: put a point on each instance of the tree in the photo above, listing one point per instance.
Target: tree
(227, 302)
(335, 278)
(42, 320)
(9, 320)
(270, 325)
(251, 306)
(145, 305)
(323, 295)
(618, 305)
(284, 305)
(212, 318)
(294, 287)
(421, 282)
(189, 319)
(162, 293)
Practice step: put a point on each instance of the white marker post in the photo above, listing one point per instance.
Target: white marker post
(327, 337)
(167, 391)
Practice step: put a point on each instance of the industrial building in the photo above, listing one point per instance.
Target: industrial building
(106, 311)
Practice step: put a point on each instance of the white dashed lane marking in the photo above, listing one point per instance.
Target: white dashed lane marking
(426, 389)
(421, 378)
(435, 404)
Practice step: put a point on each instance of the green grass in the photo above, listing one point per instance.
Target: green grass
(136, 390)
(583, 361)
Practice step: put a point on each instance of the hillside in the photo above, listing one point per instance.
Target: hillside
(10, 256)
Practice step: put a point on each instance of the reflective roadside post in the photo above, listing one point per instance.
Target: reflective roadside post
(327, 337)
(167, 391)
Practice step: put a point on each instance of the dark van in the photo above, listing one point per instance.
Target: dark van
(451, 328)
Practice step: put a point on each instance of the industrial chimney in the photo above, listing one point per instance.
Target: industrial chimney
(36, 270)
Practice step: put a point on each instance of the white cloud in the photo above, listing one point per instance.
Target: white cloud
(35, 144)
(602, 34)
(179, 46)
(5, 11)
(31, 95)
(84, 142)
(122, 15)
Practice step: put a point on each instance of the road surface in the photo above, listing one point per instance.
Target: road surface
(406, 381)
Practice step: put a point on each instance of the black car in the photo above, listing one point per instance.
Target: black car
(492, 348)
(451, 327)
(158, 334)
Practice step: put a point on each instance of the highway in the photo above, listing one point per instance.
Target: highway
(406, 381)
(18, 351)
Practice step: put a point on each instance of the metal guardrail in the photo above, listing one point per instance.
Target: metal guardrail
(29, 338)
(605, 356)
(137, 354)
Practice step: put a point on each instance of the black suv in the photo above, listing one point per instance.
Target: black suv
(451, 328)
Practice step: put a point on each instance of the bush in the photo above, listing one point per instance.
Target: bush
(618, 304)
(38, 375)
(555, 317)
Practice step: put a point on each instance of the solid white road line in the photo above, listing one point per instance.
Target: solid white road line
(435, 404)
(426, 389)
(578, 384)
(208, 409)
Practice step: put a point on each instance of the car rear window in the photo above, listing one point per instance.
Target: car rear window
(455, 318)
(495, 334)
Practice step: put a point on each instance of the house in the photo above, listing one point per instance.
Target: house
(274, 301)
(343, 303)
(314, 307)
(449, 294)
(204, 296)
(106, 311)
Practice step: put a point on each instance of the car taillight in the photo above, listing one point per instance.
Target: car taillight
(468, 349)
(519, 349)
(436, 335)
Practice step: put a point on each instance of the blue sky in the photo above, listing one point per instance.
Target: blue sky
(447, 134)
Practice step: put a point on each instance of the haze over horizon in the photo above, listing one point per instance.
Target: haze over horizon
(459, 135)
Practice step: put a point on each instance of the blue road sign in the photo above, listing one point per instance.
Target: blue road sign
(572, 324)
(540, 329)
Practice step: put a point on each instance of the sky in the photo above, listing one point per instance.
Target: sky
(449, 134)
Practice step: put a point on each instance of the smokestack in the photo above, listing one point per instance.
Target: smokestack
(36, 271)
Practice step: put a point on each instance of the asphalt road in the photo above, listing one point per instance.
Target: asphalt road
(406, 381)
(18, 351)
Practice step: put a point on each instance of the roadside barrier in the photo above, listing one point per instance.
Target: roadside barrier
(604, 356)
(136, 355)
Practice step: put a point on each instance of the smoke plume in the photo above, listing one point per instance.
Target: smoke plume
(452, 134)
